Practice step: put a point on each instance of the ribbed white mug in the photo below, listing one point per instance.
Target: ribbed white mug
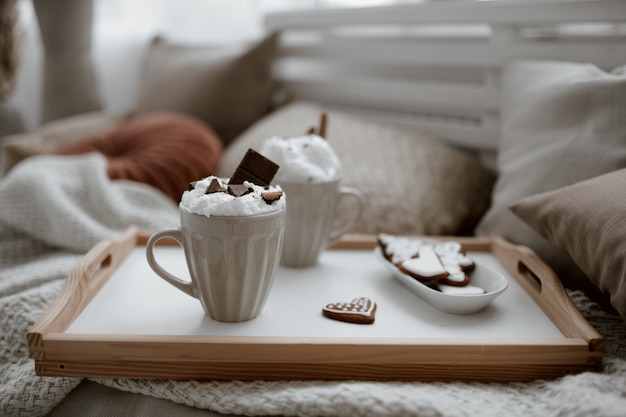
(232, 261)
(310, 219)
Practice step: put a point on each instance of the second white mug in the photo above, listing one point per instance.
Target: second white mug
(310, 219)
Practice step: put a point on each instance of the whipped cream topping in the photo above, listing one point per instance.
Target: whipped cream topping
(198, 201)
(302, 159)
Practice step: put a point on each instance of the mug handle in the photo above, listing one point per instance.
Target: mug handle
(348, 192)
(177, 235)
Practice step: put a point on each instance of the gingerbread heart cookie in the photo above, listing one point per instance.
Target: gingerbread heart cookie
(361, 310)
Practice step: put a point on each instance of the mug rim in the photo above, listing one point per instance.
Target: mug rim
(252, 216)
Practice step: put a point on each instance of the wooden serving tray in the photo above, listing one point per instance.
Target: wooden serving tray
(115, 318)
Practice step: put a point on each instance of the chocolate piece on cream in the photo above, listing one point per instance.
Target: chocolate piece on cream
(214, 187)
(255, 168)
(270, 196)
(238, 190)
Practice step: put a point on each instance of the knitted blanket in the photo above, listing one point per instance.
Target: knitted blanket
(54, 209)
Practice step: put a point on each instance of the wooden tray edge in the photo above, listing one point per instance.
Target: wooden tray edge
(97, 266)
(81, 285)
(545, 288)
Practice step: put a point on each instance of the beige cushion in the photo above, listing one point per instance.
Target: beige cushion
(587, 220)
(561, 123)
(413, 184)
(228, 87)
(54, 135)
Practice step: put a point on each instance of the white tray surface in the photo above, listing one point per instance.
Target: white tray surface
(135, 301)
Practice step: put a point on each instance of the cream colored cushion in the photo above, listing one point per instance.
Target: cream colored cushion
(561, 123)
(587, 220)
(413, 184)
(228, 87)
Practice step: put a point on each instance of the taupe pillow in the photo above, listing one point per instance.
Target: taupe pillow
(413, 183)
(587, 220)
(561, 123)
(228, 87)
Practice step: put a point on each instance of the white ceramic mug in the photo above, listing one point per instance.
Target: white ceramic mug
(310, 219)
(232, 261)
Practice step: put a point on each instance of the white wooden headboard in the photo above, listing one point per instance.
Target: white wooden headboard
(435, 66)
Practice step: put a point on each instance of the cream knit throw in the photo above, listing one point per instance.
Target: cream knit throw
(52, 211)
(45, 229)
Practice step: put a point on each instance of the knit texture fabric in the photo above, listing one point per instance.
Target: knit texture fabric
(52, 211)
(82, 206)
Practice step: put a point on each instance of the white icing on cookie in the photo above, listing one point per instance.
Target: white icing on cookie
(362, 306)
(407, 251)
(402, 248)
(426, 265)
(450, 254)
(455, 271)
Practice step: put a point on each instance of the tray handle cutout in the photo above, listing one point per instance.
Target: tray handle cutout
(100, 263)
(82, 284)
(544, 286)
(532, 278)
(98, 269)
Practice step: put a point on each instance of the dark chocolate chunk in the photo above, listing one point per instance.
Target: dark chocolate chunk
(238, 189)
(255, 168)
(191, 185)
(270, 196)
(214, 187)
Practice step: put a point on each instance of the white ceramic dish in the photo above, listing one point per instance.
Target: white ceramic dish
(492, 282)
